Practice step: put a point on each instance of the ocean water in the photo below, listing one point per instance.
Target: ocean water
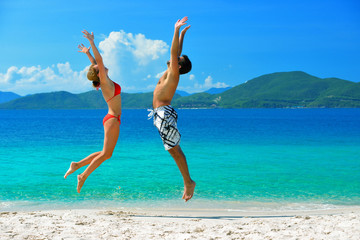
(241, 159)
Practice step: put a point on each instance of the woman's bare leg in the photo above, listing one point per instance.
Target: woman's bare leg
(112, 129)
(76, 165)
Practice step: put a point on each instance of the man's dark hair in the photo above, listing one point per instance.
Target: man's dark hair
(185, 65)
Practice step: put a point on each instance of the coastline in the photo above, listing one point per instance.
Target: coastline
(178, 205)
(152, 223)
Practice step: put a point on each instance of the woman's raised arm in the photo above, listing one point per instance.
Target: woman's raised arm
(98, 58)
(86, 50)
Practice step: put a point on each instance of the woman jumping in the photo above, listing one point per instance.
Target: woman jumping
(111, 92)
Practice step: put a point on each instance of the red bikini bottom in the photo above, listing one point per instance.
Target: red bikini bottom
(108, 116)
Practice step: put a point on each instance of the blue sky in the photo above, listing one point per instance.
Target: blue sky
(229, 41)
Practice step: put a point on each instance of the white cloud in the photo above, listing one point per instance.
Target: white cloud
(64, 69)
(208, 83)
(129, 57)
(147, 77)
(150, 88)
(196, 87)
(28, 80)
(158, 76)
(146, 49)
(124, 47)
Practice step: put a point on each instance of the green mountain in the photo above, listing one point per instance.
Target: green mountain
(87, 100)
(55, 100)
(277, 90)
(281, 90)
(66, 100)
(8, 96)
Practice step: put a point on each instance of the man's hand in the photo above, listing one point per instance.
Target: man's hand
(84, 49)
(184, 30)
(89, 36)
(181, 22)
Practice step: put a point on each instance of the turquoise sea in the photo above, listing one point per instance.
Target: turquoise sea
(241, 159)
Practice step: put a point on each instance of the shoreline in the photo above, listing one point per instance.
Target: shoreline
(194, 212)
(152, 223)
(177, 204)
(232, 214)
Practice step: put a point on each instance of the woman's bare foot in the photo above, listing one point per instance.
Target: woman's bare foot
(189, 191)
(81, 181)
(73, 167)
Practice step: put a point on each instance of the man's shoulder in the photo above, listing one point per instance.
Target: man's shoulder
(172, 76)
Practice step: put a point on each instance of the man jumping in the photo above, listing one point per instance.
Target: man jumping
(165, 117)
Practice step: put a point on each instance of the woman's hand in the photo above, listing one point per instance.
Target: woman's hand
(89, 36)
(84, 49)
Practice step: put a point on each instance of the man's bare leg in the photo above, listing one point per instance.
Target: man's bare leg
(76, 165)
(180, 159)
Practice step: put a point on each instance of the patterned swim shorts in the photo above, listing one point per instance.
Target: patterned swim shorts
(165, 120)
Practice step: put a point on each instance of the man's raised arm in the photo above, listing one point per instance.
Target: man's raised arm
(182, 35)
(175, 44)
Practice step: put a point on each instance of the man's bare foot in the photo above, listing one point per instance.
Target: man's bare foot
(189, 191)
(73, 167)
(81, 181)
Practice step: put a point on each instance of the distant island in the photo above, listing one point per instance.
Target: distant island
(8, 96)
(277, 90)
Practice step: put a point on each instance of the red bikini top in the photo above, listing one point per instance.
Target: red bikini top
(116, 92)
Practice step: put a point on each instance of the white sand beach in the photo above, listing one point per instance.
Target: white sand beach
(179, 224)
